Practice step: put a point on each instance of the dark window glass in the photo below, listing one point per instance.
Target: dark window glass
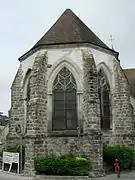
(28, 91)
(132, 115)
(59, 95)
(106, 111)
(104, 94)
(64, 101)
(71, 119)
(71, 95)
(59, 123)
(27, 81)
(59, 105)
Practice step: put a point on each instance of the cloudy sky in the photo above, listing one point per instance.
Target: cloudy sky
(23, 22)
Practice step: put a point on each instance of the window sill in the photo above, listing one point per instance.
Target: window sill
(64, 133)
(72, 133)
(107, 131)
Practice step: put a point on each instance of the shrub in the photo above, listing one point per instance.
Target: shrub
(125, 155)
(63, 165)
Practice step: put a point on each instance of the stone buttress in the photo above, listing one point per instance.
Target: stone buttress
(92, 140)
(36, 114)
(122, 120)
(16, 112)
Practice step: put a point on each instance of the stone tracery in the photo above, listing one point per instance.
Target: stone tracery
(64, 101)
(104, 94)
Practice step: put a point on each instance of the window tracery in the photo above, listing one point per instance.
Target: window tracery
(64, 101)
(104, 95)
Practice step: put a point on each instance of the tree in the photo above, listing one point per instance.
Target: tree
(1, 113)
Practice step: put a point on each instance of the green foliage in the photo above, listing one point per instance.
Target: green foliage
(125, 155)
(15, 148)
(63, 165)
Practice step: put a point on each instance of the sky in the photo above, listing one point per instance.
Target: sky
(24, 22)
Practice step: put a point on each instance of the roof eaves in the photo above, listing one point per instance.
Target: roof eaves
(34, 49)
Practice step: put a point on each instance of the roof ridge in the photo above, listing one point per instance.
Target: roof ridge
(79, 32)
(70, 29)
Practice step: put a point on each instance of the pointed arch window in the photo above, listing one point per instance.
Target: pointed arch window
(132, 114)
(64, 101)
(27, 85)
(104, 95)
(26, 96)
(28, 91)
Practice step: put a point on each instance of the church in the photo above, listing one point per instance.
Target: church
(70, 94)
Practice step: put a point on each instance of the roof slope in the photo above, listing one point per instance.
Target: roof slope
(130, 73)
(69, 29)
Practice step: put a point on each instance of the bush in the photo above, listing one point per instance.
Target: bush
(63, 165)
(125, 155)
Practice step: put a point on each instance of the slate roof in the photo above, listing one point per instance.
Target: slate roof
(130, 73)
(69, 29)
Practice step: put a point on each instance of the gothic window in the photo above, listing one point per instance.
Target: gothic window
(26, 96)
(27, 86)
(132, 110)
(104, 95)
(132, 114)
(28, 91)
(64, 101)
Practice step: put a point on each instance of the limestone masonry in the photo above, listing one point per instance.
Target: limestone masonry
(70, 94)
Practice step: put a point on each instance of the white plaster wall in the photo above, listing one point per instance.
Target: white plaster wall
(72, 53)
(28, 62)
(75, 54)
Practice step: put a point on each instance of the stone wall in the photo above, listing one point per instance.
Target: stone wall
(16, 113)
(38, 141)
(64, 145)
(122, 130)
(36, 113)
(92, 139)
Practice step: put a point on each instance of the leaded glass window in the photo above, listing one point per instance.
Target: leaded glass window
(27, 85)
(132, 114)
(64, 101)
(104, 94)
(28, 90)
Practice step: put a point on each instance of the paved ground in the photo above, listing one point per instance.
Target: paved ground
(124, 176)
(9, 176)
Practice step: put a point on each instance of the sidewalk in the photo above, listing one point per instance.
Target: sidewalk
(12, 176)
(123, 176)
